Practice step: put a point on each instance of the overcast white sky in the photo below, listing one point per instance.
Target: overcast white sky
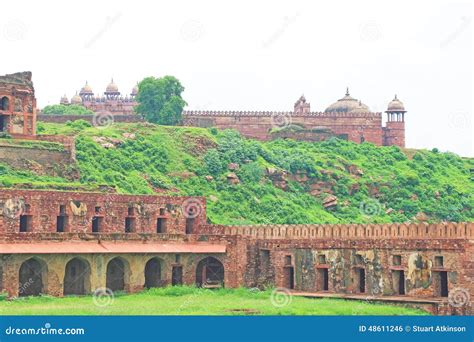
(258, 55)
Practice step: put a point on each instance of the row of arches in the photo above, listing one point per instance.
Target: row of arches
(33, 275)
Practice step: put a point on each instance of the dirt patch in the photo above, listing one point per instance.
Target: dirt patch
(245, 311)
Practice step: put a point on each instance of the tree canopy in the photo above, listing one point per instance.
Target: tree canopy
(159, 100)
(66, 110)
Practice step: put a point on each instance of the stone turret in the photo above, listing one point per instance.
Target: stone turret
(394, 130)
(301, 106)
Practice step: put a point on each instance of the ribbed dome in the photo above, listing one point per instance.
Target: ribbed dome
(347, 104)
(76, 99)
(64, 100)
(396, 105)
(112, 87)
(86, 89)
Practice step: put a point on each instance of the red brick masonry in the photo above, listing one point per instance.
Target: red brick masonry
(159, 240)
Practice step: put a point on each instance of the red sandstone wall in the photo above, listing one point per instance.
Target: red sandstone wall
(44, 207)
(258, 125)
(394, 133)
(19, 119)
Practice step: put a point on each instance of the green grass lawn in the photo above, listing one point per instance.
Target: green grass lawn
(193, 301)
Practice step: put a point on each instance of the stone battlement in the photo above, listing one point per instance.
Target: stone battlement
(203, 113)
(448, 230)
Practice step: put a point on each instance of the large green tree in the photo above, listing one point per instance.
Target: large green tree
(66, 110)
(159, 100)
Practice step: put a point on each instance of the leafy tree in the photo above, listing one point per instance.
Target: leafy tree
(159, 100)
(66, 110)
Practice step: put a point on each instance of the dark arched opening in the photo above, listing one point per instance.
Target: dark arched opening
(77, 277)
(4, 103)
(153, 273)
(32, 278)
(116, 275)
(210, 273)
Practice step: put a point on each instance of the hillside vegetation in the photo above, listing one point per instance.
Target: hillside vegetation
(282, 181)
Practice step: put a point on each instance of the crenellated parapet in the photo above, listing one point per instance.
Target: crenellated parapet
(218, 113)
(449, 230)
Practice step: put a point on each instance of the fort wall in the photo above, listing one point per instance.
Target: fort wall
(427, 265)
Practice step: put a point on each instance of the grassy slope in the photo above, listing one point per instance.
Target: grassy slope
(191, 301)
(176, 160)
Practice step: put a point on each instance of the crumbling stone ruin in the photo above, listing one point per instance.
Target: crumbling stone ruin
(61, 243)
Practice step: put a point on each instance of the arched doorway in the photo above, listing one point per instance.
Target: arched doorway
(77, 277)
(210, 273)
(4, 103)
(33, 275)
(153, 273)
(117, 274)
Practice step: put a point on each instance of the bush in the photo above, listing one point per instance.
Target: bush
(60, 109)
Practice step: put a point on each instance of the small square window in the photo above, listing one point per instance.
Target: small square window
(288, 260)
(322, 259)
(439, 261)
(177, 258)
(397, 260)
(97, 210)
(130, 211)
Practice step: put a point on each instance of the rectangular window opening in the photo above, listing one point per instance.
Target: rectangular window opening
(161, 225)
(189, 225)
(97, 224)
(129, 225)
(25, 223)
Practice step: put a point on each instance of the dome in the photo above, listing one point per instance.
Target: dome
(76, 99)
(64, 100)
(134, 90)
(361, 108)
(347, 104)
(112, 87)
(86, 89)
(396, 105)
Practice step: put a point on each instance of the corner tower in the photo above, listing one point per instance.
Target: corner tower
(17, 105)
(394, 130)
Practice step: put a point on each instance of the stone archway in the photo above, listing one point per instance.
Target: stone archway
(4, 103)
(153, 273)
(33, 278)
(117, 274)
(210, 273)
(77, 277)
